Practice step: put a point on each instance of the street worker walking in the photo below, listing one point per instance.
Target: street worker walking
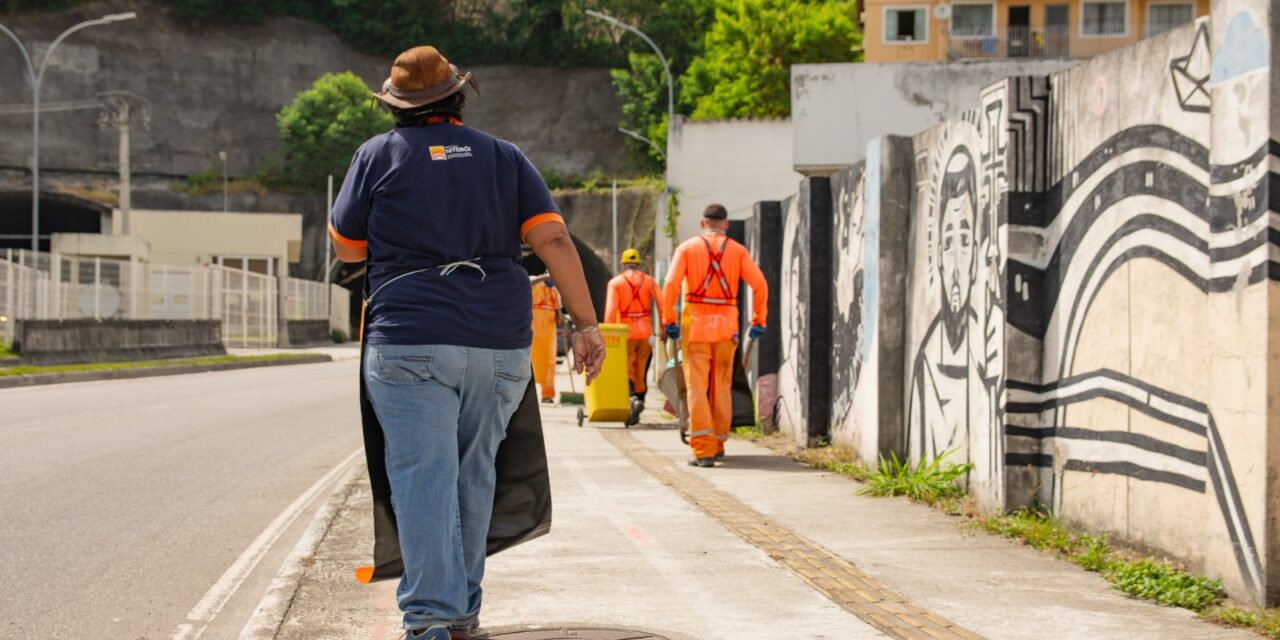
(709, 267)
(439, 210)
(546, 322)
(630, 300)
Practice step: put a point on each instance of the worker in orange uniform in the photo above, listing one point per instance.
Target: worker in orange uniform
(630, 298)
(546, 320)
(709, 267)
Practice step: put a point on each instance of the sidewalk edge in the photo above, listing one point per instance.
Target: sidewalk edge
(40, 379)
(274, 606)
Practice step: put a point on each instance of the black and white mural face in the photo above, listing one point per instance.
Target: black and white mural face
(955, 295)
(853, 329)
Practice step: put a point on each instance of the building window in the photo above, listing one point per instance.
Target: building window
(906, 25)
(973, 20)
(1163, 17)
(1105, 18)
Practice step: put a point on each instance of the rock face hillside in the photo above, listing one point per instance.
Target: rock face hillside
(218, 87)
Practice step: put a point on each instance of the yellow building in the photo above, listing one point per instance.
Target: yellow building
(914, 31)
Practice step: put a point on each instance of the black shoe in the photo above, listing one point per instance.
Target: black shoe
(720, 455)
(548, 401)
(702, 462)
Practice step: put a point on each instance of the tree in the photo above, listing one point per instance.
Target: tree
(324, 126)
(643, 91)
(745, 66)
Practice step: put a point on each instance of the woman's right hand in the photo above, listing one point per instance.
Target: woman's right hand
(588, 353)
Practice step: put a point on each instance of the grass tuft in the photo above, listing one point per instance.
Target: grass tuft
(927, 482)
(146, 364)
(1164, 583)
(748, 433)
(1265, 623)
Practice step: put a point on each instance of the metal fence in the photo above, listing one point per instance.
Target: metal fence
(1049, 42)
(43, 286)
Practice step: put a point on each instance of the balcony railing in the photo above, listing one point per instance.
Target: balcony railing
(1051, 42)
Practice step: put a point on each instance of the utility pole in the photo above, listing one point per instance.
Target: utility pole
(119, 113)
(616, 259)
(222, 157)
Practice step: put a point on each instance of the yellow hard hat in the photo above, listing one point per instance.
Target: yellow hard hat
(630, 256)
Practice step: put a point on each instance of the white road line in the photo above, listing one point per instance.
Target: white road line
(269, 615)
(216, 597)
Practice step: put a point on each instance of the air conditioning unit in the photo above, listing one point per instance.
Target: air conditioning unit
(942, 12)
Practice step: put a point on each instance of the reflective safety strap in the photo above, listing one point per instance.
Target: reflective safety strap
(700, 296)
(702, 432)
(722, 437)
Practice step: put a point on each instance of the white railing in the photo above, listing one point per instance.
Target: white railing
(43, 286)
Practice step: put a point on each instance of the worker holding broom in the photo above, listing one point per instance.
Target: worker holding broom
(547, 319)
(629, 301)
(709, 268)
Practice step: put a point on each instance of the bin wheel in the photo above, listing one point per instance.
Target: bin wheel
(582, 416)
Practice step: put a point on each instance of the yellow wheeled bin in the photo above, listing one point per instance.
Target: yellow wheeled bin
(608, 398)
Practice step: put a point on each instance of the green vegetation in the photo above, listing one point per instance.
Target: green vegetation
(745, 66)
(323, 127)
(926, 482)
(339, 336)
(1266, 623)
(146, 364)
(5, 352)
(1146, 578)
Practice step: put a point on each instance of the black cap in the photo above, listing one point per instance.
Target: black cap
(715, 212)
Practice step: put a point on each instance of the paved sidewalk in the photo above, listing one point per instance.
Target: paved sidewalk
(758, 548)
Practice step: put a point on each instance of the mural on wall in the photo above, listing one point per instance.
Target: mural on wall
(852, 330)
(793, 375)
(1147, 193)
(956, 380)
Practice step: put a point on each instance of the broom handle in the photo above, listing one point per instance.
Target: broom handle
(568, 355)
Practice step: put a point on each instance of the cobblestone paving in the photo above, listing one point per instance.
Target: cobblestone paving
(833, 576)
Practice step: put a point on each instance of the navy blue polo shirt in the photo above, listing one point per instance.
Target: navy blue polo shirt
(425, 197)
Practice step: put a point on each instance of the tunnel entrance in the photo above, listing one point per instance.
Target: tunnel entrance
(596, 271)
(59, 213)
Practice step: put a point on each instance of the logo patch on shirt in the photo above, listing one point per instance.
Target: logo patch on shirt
(451, 152)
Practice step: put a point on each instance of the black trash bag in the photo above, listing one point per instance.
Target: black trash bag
(521, 501)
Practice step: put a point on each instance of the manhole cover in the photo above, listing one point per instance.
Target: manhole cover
(569, 633)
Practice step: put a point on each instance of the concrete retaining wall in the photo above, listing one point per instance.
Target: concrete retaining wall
(1088, 312)
(44, 342)
(309, 333)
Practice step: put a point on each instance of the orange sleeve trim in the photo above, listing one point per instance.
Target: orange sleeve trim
(540, 219)
(345, 241)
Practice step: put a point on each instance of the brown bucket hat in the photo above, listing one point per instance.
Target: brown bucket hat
(419, 77)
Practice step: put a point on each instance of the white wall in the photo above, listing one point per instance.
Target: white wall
(837, 109)
(191, 237)
(733, 162)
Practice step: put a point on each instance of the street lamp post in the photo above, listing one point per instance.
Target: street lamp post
(36, 77)
(671, 87)
(641, 138)
(222, 157)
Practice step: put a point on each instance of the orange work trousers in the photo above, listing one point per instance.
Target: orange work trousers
(638, 352)
(708, 372)
(543, 353)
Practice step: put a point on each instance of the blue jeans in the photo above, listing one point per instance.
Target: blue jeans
(444, 411)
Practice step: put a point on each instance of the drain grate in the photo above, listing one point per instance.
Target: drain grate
(568, 633)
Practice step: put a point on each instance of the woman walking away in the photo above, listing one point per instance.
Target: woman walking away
(439, 210)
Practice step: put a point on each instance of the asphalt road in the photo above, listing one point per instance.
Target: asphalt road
(123, 503)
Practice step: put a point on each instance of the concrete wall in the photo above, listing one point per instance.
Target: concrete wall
(733, 162)
(836, 109)
(1090, 298)
(764, 242)
(309, 333)
(192, 237)
(218, 87)
(869, 271)
(76, 341)
(804, 379)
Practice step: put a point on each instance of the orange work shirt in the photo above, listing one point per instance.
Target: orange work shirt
(690, 267)
(630, 298)
(546, 307)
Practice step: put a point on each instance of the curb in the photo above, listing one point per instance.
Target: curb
(274, 607)
(38, 379)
